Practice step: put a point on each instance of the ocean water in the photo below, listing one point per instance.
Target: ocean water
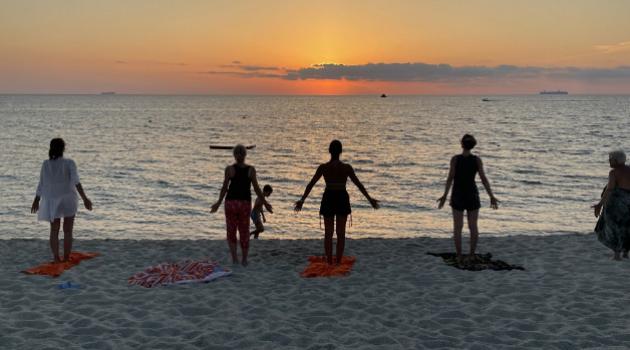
(145, 162)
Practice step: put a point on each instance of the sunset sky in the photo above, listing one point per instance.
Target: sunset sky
(314, 47)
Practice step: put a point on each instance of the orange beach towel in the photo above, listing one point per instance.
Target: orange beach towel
(56, 269)
(317, 267)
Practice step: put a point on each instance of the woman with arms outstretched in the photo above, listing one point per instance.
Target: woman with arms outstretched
(335, 201)
(237, 183)
(465, 197)
(57, 190)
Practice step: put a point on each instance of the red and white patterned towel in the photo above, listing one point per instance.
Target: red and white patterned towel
(185, 271)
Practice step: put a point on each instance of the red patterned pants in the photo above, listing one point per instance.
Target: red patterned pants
(237, 217)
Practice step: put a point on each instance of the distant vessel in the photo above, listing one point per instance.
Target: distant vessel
(485, 100)
(557, 92)
(108, 93)
(383, 95)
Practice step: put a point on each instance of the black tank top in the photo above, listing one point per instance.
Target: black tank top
(465, 171)
(240, 184)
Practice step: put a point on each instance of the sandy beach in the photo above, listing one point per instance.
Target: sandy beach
(397, 297)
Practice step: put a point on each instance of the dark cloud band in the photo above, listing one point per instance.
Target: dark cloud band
(424, 72)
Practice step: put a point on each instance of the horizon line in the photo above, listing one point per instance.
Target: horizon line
(289, 95)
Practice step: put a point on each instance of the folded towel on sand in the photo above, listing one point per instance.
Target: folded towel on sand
(56, 269)
(317, 267)
(185, 271)
(478, 263)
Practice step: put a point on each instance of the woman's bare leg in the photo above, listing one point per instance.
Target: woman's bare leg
(54, 239)
(329, 227)
(473, 215)
(458, 224)
(341, 236)
(68, 224)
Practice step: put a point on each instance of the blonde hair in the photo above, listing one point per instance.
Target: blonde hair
(618, 157)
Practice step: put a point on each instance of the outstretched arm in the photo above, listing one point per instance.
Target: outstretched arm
(449, 182)
(611, 185)
(226, 181)
(259, 193)
(353, 177)
(318, 174)
(494, 203)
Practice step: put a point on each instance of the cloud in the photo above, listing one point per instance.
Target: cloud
(614, 48)
(250, 68)
(245, 74)
(150, 62)
(258, 68)
(422, 72)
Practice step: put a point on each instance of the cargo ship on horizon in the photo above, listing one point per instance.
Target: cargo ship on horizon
(557, 92)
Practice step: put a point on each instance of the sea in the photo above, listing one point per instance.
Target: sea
(145, 161)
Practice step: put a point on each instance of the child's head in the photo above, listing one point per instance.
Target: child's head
(267, 190)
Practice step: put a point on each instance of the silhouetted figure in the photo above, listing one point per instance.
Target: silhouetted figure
(335, 201)
(57, 190)
(258, 212)
(613, 226)
(239, 177)
(465, 197)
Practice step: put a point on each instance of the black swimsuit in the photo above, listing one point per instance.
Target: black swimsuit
(240, 185)
(465, 194)
(335, 202)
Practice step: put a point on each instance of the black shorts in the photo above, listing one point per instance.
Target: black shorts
(335, 202)
(468, 200)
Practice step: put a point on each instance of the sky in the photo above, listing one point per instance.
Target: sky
(314, 47)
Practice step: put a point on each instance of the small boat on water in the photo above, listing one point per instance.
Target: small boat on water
(556, 92)
(108, 93)
(485, 100)
(383, 95)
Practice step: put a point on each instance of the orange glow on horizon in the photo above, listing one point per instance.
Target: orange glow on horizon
(164, 47)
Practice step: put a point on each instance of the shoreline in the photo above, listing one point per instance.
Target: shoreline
(396, 297)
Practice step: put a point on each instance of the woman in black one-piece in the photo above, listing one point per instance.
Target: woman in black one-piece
(465, 197)
(335, 201)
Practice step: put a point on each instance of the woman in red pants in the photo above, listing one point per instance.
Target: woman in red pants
(239, 177)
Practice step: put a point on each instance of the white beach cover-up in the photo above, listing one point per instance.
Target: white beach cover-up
(57, 188)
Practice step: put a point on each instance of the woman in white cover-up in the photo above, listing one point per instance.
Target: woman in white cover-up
(57, 189)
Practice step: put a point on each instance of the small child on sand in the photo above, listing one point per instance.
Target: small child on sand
(258, 212)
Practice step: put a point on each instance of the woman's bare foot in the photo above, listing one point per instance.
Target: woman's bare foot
(625, 254)
(244, 263)
(616, 256)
